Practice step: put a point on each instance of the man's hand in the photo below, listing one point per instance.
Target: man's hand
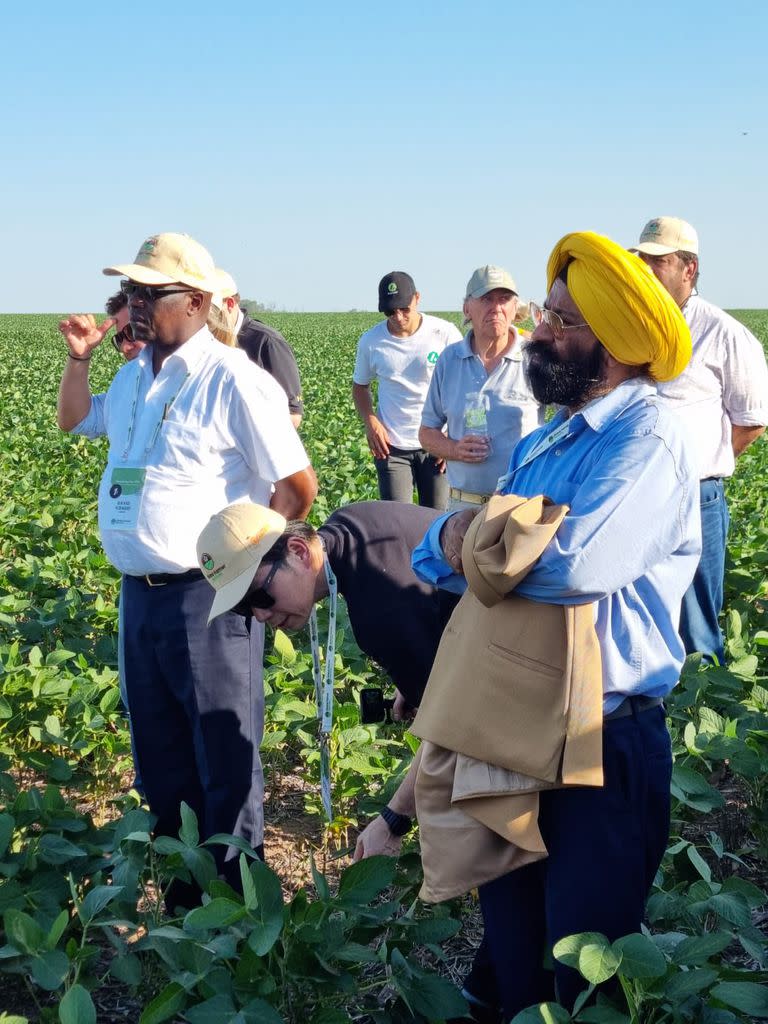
(401, 709)
(452, 536)
(82, 334)
(377, 839)
(472, 448)
(378, 438)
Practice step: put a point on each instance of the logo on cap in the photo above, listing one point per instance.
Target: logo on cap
(206, 561)
(256, 537)
(392, 288)
(653, 227)
(148, 247)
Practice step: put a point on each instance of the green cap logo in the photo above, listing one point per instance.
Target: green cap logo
(392, 288)
(432, 358)
(206, 561)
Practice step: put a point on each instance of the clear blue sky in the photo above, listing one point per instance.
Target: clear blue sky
(312, 147)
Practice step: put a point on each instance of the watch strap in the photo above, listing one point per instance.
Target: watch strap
(398, 824)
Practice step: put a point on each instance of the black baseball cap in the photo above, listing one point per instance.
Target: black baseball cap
(396, 290)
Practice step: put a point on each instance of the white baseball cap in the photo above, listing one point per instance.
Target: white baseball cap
(664, 235)
(231, 547)
(170, 258)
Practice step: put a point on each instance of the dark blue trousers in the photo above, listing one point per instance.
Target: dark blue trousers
(196, 698)
(703, 600)
(605, 846)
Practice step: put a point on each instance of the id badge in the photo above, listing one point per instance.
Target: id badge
(126, 488)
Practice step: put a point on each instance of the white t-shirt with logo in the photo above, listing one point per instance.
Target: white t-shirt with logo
(725, 382)
(403, 367)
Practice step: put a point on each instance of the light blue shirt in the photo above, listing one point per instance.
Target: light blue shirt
(513, 412)
(630, 542)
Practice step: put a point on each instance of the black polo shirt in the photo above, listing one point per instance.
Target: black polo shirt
(268, 349)
(397, 620)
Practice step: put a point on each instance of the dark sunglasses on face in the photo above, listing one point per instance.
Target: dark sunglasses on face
(258, 597)
(149, 292)
(124, 337)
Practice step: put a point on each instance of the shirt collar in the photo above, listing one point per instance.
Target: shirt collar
(240, 321)
(188, 354)
(600, 412)
(514, 355)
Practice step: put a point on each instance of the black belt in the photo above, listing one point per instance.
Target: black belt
(162, 579)
(633, 706)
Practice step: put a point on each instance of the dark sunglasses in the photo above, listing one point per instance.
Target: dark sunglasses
(123, 337)
(149, 292)
(258, 597)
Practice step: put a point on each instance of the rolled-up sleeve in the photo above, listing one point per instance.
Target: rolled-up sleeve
(94, 424)
(745, 381)
(433, 414)
(429, 564)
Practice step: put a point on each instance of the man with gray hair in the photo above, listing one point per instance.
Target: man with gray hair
(722, 396)
(479, 393)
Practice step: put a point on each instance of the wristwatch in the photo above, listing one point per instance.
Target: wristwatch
(398, 824)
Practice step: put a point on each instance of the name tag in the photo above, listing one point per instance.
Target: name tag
(126, 489)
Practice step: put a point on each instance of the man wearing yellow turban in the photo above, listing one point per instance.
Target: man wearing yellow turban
(617, 456)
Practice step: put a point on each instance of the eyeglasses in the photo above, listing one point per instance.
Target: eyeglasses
(149, 292)
(258, 597)
(553, 320)
(124, 337)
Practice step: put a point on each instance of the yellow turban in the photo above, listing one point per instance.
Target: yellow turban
(630, 312)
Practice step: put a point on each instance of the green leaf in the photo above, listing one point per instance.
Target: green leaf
(165, 1005)
(268, 915)
(23, 932)
(746, 996)
(431, 995)
(58, 850)
(57, 929)
(321, 885)
(544, 1013)
(7, 825)
(697, 949)
(732, 907)
(127, 969)
(362, 882)
(217, 913)
(77, 1007)
(699, 863)
(260, 1012)
(189, 832)
(98, 898)
(640, 957)
(689, 983)
(213, 1011)
(567, 949)
(284, 648)
(329, 1015)
(249, 889)
(602, 1014)
(598, 963)
(50, 969)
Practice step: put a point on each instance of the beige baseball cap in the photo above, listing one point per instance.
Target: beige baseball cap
(663, 235)
(486, 278)
(231, 547)
(170, 258)
(225, 288)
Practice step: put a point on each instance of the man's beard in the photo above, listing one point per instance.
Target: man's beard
(570, 382)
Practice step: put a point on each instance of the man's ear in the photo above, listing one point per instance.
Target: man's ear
(690, 270)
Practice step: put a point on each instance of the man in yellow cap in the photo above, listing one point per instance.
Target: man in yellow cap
(192, 425)
(722, 397)
(616, 455)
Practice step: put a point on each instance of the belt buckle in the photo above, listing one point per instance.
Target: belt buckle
(150, 583)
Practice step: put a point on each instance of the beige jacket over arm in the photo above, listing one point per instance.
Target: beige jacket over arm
(513, 705)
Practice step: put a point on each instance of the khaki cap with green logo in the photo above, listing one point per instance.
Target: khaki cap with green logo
(231, 547)
(171, 258)
(664, 235)
(486, 278)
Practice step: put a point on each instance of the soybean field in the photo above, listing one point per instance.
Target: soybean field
(313, 938)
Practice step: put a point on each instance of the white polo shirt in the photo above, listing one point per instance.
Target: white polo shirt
(403, 368)
(210, 429)
(725, 382)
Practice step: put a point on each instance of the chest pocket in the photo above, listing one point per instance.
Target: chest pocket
(178, 447)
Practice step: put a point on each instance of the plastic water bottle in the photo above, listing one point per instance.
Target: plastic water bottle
(476, 416)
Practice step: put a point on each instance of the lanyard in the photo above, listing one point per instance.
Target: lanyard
(158, 425)
(324, 685)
